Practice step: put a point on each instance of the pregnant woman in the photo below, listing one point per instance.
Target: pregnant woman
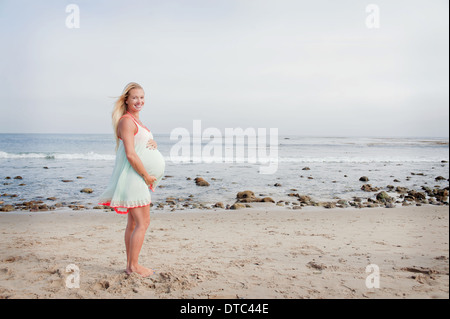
(139, 167)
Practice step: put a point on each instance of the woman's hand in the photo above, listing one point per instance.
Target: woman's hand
(151, 144)
(149, 180)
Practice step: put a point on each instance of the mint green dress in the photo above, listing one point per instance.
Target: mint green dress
(126, 188)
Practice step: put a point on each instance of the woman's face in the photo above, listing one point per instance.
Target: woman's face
(135, 101)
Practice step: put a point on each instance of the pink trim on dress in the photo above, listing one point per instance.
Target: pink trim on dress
(142, 125)
(119, 212)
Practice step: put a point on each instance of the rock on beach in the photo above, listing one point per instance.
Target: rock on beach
(250, 197)
(200, 181)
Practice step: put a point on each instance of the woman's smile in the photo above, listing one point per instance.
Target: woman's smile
(138, 107)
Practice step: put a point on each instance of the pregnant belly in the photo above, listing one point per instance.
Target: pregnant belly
(154, 163)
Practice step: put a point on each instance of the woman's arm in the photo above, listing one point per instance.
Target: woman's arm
(126, 130)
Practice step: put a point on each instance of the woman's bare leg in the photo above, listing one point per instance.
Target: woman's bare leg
(141, 217)
(131, 224)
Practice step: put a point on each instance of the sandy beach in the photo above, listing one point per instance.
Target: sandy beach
(260, 252)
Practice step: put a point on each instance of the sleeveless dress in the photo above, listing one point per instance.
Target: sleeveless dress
(126, 188)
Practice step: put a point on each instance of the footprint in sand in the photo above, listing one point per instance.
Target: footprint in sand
(11, 259)
(306, 250)
(6, 272)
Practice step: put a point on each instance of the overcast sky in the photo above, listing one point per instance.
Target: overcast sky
(304, 67)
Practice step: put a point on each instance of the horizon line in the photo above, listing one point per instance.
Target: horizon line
(284, 135)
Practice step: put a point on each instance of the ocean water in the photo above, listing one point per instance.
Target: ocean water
(335, 166)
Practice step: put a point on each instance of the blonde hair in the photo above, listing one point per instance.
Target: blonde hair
(120, 108)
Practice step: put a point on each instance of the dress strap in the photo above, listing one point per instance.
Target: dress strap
(135, 121)
(129, 116)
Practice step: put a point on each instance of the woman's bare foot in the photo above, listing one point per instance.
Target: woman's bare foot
(141, 270)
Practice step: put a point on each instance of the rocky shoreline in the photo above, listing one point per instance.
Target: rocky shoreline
(389, 196)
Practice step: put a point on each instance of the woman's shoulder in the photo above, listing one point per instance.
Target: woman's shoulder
(126, 116)
(126, 121)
